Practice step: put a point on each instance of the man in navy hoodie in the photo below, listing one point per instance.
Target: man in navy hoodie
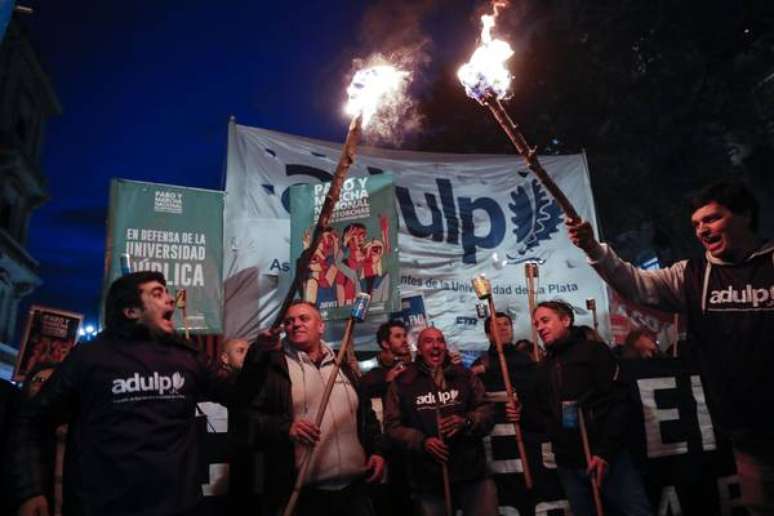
(129, 399)
(727, 299)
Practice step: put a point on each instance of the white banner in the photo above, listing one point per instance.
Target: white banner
(460, 215)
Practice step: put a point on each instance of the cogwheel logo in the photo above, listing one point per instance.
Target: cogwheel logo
(535, 216)
(177, 381)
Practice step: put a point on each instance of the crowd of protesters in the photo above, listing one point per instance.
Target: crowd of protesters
(128, 398)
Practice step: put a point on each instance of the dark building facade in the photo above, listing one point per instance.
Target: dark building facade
(27, 100)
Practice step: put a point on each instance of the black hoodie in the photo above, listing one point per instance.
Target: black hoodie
(129, 400)
(410, 418)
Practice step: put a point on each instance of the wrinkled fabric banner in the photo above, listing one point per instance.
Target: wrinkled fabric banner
(459, 215)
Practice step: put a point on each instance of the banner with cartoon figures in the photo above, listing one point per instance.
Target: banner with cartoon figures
(49, 335)
(459, 215)
(174, 230)
(357, 253)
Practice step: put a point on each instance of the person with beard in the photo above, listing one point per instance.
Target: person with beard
(393, 358)
(129, 398)
(582, 375)
(727, 300)
(437, 413)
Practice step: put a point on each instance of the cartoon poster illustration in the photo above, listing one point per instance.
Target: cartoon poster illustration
(357, 253)
(49, 336)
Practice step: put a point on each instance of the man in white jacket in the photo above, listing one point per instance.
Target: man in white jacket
(727, 299)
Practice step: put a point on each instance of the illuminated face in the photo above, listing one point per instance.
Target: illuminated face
(431, 346)
(550, 325)
(157, 309)
(721, 231)
(397, 342)
(234, 352)
(504, 329)
(303, 327)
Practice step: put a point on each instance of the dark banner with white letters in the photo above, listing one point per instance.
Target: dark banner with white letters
(687, 468)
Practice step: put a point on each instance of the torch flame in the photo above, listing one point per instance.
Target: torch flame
(485, 74)
(370, 87)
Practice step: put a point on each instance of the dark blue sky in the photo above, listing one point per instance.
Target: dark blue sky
(147, 88)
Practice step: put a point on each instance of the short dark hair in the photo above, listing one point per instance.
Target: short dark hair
(488, 320)
(559, 307)
(590, 333)
(125, 293)
(383, 333)
(635, 334)
(731, 193)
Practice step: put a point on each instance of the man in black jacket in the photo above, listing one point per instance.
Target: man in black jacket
(278, 395)
(393, 496)
(129, 399)
(436, 412)
(521, 369)
(581, 375)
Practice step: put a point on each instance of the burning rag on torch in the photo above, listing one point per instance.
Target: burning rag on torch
(487, 80)
(371, 88)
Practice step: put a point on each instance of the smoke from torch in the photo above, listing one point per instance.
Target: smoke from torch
(486, 79)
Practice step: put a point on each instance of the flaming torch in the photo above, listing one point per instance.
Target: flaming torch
(368, 91)
(487, 80)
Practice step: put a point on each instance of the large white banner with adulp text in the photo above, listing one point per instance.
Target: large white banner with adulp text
(460, 215)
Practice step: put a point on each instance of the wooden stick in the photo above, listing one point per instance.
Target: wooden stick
(512, 398)
(323, 221)
(529, 154)
(444, 468)
(306, 461)
(186, 326)
(181, 302)
(677, 335)
(595, 487)
(591, 304)
(531, 271)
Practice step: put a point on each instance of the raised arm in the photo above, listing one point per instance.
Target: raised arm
(661, 289)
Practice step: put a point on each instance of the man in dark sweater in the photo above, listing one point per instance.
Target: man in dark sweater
(391, 497)
(521, 369)
(393, 358)
(727, 299)
(129, 398)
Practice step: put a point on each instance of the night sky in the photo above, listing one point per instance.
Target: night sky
(147, 88)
